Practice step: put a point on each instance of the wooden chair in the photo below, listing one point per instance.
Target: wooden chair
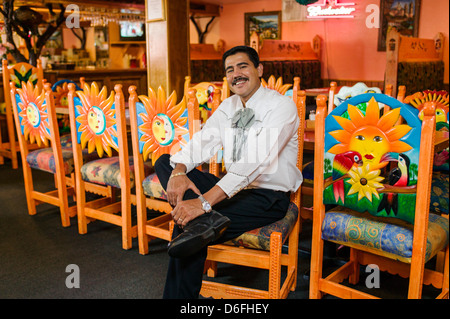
(385, 221)
(277, 85)
(18, 73)
(35, 120)
(98, 123)
(61, 89)
(205, 95)
(148, 144)
(268, 255)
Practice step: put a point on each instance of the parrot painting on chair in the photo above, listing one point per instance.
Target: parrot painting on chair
(342, 163)
(399, 177)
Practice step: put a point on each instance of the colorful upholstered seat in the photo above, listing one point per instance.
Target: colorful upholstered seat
(44, 160)
(153, 188)
(376, 167)
(260, 238)
(395, 240)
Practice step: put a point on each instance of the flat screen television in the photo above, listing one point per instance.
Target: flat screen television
(132, 31)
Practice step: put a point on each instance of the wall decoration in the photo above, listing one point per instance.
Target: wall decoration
(155, 10)
(401, 14)
(266, 24)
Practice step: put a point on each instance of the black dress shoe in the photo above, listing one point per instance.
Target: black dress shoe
(198, 233)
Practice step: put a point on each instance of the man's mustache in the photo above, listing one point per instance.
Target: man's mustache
(239, 78)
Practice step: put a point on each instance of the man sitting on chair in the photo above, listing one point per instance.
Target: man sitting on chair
(257, 129)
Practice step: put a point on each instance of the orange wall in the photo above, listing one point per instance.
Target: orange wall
(349, 49)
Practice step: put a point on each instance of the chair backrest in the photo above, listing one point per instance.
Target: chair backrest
(441, 98)
(205, 92)
(97, 120)
(159, 123)
(32, 114)
(276, 85)
(61, 89)
(23, 72)
(359, 143)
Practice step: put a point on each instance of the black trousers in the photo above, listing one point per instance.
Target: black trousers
(247, 210)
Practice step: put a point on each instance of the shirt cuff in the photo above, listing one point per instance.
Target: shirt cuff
(178, 159)
(232, 183)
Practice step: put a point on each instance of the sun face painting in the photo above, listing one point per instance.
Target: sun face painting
(96, 120)
(33, 114)
(358, 148)
(370, 135)
(161, 124)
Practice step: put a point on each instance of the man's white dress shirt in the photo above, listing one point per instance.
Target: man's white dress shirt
(270, 153)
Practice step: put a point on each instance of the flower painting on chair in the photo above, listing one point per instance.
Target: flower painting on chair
(96, 120)
(162, 124)
(360, 143)
(33, 114)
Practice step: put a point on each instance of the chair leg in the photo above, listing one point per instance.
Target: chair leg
(63, 200)
(141, 224)
(316, 268)
(11, 136)
(275, 265)
(28, 181)
(126, 221)
(445, 285)
(81, 203)
(354, 276)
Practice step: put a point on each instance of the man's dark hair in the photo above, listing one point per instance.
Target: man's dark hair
(251, 53)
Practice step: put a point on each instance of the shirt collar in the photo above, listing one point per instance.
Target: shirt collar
(236, 103)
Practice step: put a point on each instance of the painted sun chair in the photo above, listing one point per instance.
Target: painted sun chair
(205, 95)
(98, 124)
(61, 89)
(380, 212)
(440, 182)
(262, 248)
(17, 73)
(149, 114)
(35, 121)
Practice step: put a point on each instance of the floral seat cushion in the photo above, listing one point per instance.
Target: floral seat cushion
(44, 160)
(106, 171)
(439, 192)
(66, 140)
(393, 240)
(260, 238)
(153, 188)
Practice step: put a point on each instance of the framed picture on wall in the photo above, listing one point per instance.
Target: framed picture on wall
(400, 14)
(266, 24)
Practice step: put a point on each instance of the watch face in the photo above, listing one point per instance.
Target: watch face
(206, 206)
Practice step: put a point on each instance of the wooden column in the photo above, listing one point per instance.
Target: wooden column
(167, 44)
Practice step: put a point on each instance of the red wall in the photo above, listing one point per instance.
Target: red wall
(349, 50)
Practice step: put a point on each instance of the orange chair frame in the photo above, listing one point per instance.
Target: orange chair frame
(59, 196)
(416, 271)
(272, 260)
(9, 149)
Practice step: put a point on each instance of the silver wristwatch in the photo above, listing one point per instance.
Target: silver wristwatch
(205, 204)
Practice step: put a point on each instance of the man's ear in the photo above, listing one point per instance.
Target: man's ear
(260, 70)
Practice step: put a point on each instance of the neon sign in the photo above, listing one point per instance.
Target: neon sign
(330, 9)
